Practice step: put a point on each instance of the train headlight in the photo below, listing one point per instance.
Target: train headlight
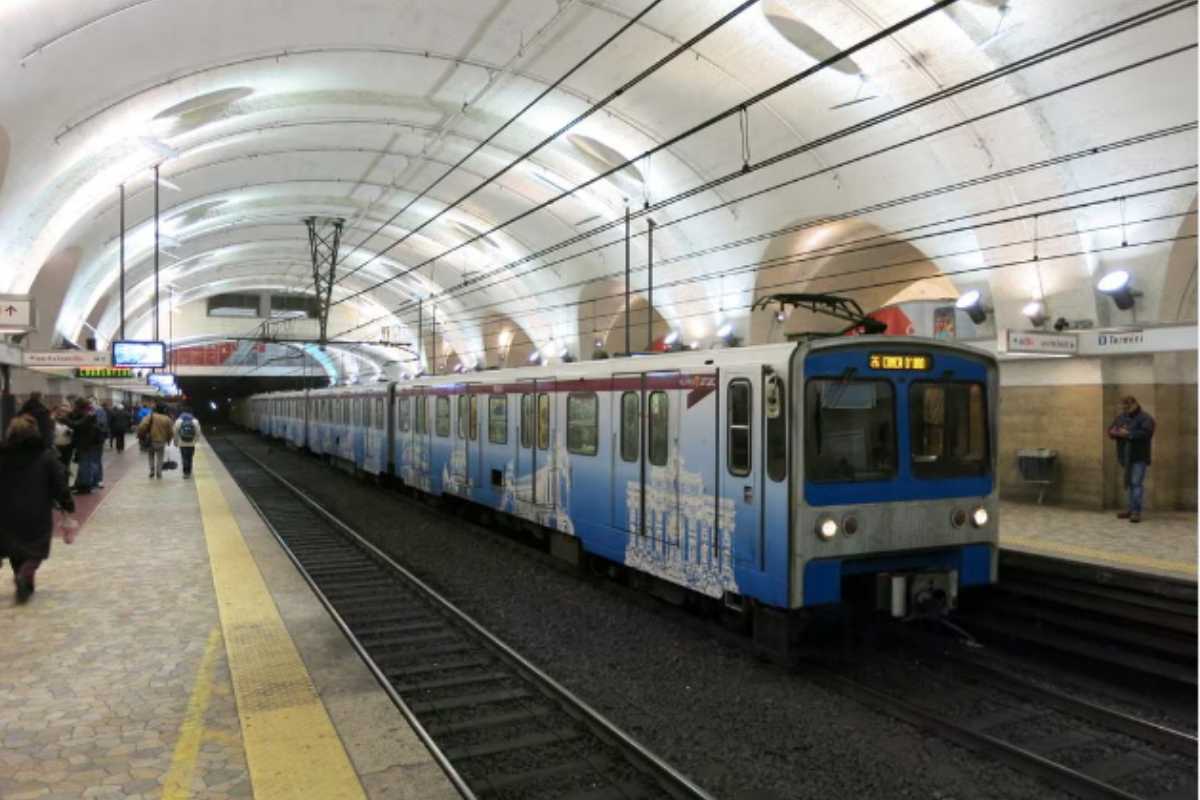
(850, 524)
(958, 518)
(979, 517)
(827, 528)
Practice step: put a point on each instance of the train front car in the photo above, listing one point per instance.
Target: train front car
(896, 494)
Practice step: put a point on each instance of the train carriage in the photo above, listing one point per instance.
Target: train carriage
(779, 475)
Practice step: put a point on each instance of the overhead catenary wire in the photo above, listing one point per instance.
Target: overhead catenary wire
(824, 170)
(812, 224)
(848, 249)
(593, 109)
(849, 290)
(1097, 35)
(670, 142)
(1044, 163)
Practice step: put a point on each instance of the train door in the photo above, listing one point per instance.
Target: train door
(535, 446)
(660, 488)
(647, 413)
(628, 461)
(741, 464)
(464, 453)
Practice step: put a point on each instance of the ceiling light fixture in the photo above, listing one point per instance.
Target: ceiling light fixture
(1035, 310)
(972, 303)
(1116, 285)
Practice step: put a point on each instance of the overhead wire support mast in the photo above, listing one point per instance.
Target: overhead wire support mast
(324, 239)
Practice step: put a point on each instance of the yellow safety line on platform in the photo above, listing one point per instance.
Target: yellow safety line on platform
(292, 748)
(178, 784)
(1123, 559)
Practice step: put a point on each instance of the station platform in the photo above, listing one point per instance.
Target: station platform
(173, 651)
(1163, 544)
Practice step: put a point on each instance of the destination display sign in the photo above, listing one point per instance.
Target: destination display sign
(906, 362)
(104, 372)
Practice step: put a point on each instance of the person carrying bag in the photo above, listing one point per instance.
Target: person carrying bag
(159, 432)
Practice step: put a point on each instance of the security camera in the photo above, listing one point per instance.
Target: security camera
(1061, 324)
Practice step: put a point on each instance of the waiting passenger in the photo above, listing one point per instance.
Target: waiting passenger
(1132, 430)
(41, 415)
(187, 432)
(31, 482)
(157, 432)
(118, 426)
(64, 437)
(88, 444)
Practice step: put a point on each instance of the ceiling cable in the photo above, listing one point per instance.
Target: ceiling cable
(1109, 30)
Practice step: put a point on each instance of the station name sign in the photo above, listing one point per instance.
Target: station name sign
(1039, 342)
(65, 359)
(104, 372)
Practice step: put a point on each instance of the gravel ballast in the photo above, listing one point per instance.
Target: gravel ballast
(738, 726)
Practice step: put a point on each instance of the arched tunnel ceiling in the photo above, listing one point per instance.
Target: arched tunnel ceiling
(261, 118)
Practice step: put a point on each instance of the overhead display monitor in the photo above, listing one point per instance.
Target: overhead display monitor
(149, 355)
(161, 380)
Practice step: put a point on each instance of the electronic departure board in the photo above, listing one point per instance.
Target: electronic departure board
(908, 362)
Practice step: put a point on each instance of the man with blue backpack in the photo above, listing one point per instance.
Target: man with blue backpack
(187, 432)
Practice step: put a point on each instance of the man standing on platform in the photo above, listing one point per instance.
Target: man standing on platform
(187, 431)
(1132, 430)
(101, 412)
(118, 426)
(157, 431)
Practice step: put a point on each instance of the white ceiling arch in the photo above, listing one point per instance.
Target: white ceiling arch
(279, 116)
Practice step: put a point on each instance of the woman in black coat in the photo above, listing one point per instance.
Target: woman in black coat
(31, 481)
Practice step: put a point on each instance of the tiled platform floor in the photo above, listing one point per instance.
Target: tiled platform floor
(114, 680)
(1163, 543)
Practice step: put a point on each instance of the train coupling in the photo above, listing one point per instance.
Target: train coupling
(913, 595)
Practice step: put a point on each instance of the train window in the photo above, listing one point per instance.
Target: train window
(948, 423)
(473, 423)
(421, 417)
(658, 428)
(527, 420)
(402, 416)
(737, 427)
(380, 420)
(462, 416)
(851, 431)
(498, 419)
(583, 423)
(442, 416)
(543, 421)
(775, 411)
(631, 426)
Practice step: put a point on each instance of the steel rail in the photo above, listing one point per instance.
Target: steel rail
(1176, 741)
(675, 781)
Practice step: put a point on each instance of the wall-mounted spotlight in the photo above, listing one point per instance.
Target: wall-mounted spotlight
(724, 331)
(1035, 310)
(972, 303)
(1116, 285)
(535, 357)
(671, 338)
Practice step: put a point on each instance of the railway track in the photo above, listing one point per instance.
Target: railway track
(1138, 623)
(497, 725)
(1083, 748)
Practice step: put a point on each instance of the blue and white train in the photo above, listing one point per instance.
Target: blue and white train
(774, 477)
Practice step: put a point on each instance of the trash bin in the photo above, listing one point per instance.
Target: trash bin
(1036, 466)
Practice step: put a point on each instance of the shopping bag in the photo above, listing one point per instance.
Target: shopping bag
(68, 527)
(171, 457)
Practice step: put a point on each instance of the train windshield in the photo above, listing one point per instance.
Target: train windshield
(948, 424)
(852, 430)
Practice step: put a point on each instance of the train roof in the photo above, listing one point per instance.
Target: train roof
(651, 362)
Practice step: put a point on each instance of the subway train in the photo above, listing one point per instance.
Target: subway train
(772, 478)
